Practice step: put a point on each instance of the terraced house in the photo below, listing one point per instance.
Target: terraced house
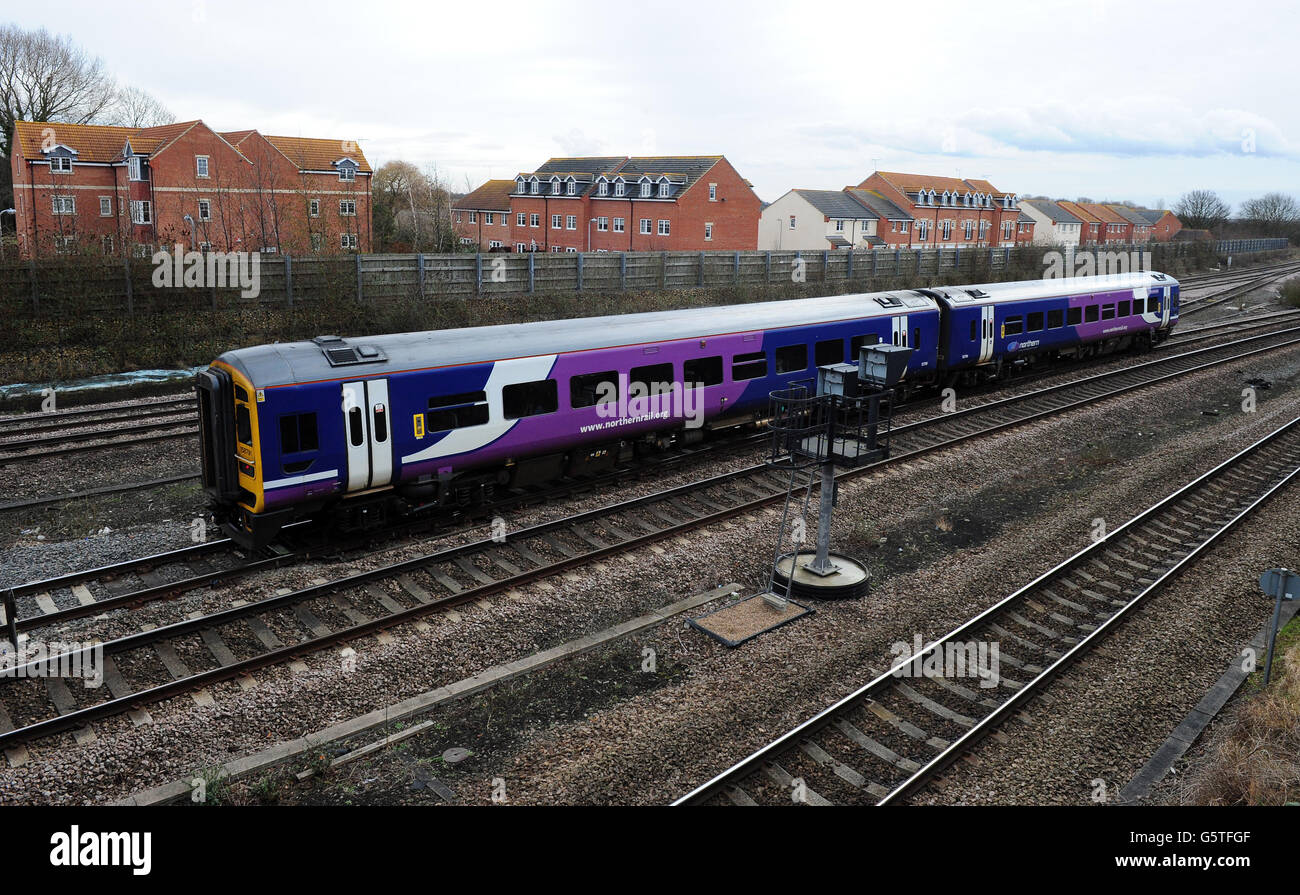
(949, 211)
(633, 204)
(118, 190)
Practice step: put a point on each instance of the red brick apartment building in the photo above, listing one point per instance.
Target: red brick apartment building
(948, 211)
(619, 204)
(114, 190)
(482, 218)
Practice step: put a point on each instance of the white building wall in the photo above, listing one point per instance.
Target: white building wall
(776, 234)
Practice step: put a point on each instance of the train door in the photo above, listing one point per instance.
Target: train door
(986, 334)
(368, 434)
(900, 330)
(1166, 302)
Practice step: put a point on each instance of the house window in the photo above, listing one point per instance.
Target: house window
(602, 189)
(620, 188)
(645, 189)
(61, 164)
(534, 220)
(969, 231)
(65, 204)
(645, 226)
(201, 166)
(521, 219)
(491, 219)
(618, 225)
(903, 226)
(473, 217)
(708, 232)
(947, 230)
(663, 190)
(141, 250)
(713, 192)
(106, 206)
(663, 228)
(108, 245)
(347, 172)
(348, 241)
(922, 230)
(602, 224)
(532, 186)
(839, 226)
(521, 247)
(205, 210)
(570, 249)
(570, 188)
(494, 243)
(63, 244)
(555, 186)
(555, 221)
(316, 242)
(793, 221)
(571, 222)
(348, 207)
(313, 208)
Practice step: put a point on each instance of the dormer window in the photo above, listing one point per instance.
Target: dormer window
(620, 187)
(534, 186)
(663, 189)
(571, 187)
(602, 188)
(135, 168)
(645, 189)
(61, 164)
(555, 186)
(519, 185)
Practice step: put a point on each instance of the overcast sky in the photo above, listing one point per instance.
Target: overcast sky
(1100, 98)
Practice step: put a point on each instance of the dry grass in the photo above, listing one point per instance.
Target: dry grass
(1257, 760)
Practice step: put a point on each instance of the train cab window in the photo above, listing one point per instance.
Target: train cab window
(1123, 309)
(356, 427)
(653, 378)
(1034, 322)
(916, 338)
(974, 330)
(1153, 305)
(522, 399)
(1107, 312)
(243, 424)
(830, 351)
(791, 358)
(298, 433)
(1074, 316)
(702, 371)
(1055, 319)
(748, 366)
(1091, 313)
(856, 343)
(1013, 326)
(590, 389)
(456, 411)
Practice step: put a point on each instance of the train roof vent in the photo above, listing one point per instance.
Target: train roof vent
(888, 301)
(340, 354)
(1159, 276)
(977, 293)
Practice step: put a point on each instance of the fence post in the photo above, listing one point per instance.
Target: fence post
(767, 267)
(826, 262)
(663, 270)
(918, 262)
(288, 279)
(622, 271)
(1006, 256)
(478, 273)
(699, 278)
(848, 274)
(130, 290)
(735, 273)
(532, 271)
(419, 268)
(581, 255)
(360, 293)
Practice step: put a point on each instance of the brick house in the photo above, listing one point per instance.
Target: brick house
(1139, 225)
(627, 204)
(1164, 224)
(1090, 226)
(1115, 228)
(948, 211)
(831, 219)
(113, 190)
(482, 218)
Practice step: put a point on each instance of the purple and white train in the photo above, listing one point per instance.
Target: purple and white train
(363, 429)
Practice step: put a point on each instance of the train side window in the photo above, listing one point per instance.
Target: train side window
(1034, 322)
(522, 399)
(588, 389)
(790, 358)
(1055, 318)
(456, 411)
(1074, 316)
(653, 378)
(916, 338)
(243, 425)
(830, 351)
(702, 371)
(856, 343)
(1153, 305)
(381, 424)
(748, 366)
(1091, 313)
(356, 427)
(1013, 326)
(974, 326)
(1107, 312)
(298, 433)
(1123, 309)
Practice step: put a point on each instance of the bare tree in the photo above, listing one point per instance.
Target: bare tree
(1202, 210)
(134, 107)
(44, 77)
(1272, 214)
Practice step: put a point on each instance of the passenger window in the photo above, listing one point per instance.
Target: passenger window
(1123, 309)
(1074, 316)
(1034, 322)
(1107, 312)
(1153, 305)
(916, 338)
(591, 389)
(856, 343)
(748, 366)
(790, 358)
(522, 399)
(243, 425)
(655, 378)
(702, 371)
(1055, 319)
(1090, 314)
(356, 427)
(298, 433)
(974, 326)
(1013, 326)
(456, 411)
(829, 352)
(381, 424)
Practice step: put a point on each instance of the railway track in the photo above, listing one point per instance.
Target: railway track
(888, 739)
(191, 654)
(1196, 305)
